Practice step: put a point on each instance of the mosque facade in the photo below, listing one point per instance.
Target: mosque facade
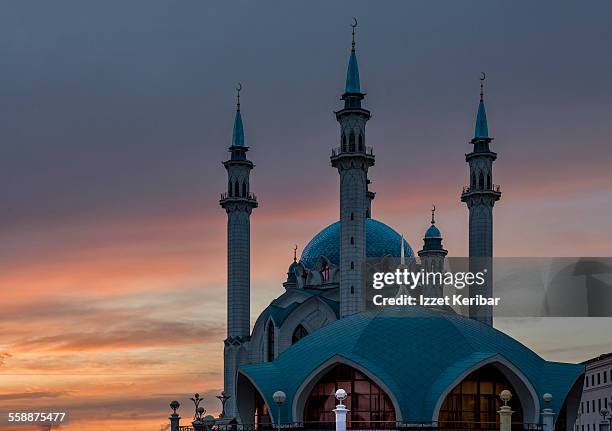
(399, 365)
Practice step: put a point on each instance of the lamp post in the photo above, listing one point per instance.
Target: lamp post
(548, 421)
(505, 411)
(174, 417)
(198, 422)
(279, 398)
(340, 410)
(223, 398)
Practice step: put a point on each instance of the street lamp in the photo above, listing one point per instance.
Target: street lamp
(279, 398)
(223, 398)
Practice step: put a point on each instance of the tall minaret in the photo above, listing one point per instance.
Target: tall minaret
(352, 159)
(480, 196)
(238, 202)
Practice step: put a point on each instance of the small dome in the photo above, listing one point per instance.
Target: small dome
(291, 277)
(381, 240)
(433, 232)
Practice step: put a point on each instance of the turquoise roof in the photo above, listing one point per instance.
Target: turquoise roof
(433, 232)
(352, 75)
(482, 129)
(279, 313)
(416, 353)
(381, 240)
(238, 133)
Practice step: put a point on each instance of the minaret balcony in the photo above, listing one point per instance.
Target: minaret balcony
(342, 157)
(467, 191)
(250, 198)
(339, 151)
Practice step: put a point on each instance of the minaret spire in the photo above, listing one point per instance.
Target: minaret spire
(353, 88)
(238, 132)
(481, 131)
(433, 213)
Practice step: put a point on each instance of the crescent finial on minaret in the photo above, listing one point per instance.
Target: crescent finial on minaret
(483, 76)
(238, 89)
(295, 253)
(433, 213)
(354, 24)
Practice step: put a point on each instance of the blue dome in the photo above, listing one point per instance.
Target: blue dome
(381, 240)
(433, 232)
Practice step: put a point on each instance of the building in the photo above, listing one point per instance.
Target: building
(596, 393)
(398, 365)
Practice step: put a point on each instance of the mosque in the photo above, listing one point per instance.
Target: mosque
(398, 365)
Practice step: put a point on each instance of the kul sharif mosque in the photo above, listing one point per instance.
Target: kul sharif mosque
(398, 365)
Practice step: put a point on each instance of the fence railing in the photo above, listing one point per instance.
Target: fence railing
(369, 426)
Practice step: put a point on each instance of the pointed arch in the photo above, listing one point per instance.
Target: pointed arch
(244, 189)
(360, 142)
(524, 391)
(352, 142)
(481, 181)
(305, 389)
(270, 341)
(489, 185)
(236, 188)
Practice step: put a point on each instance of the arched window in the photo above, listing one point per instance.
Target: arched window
(473, 183)
(360, 141)
(366, 401)
(352, 216)
(489, 185)
(352, 265)
(236, 189)
(343, 142)
(352, 142)
(476, 401)
(244, 189)
(270, 351)
(325, 272)
(352, 240)
(299, 333)
(229, 189)
(481, 181)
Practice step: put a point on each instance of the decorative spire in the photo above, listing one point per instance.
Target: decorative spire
(354, 24)
(352, 73)
(295, 253)
(482, 129)
(238, 133)
(433, 213)
(239, 88)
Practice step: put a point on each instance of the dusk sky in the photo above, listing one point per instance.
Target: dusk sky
(114, 120)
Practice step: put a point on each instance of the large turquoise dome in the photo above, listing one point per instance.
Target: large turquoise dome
(381, 240)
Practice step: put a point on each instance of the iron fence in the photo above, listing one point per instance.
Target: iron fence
(369, 426)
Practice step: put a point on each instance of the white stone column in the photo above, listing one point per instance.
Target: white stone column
(548, 416)
(341, 411)
(505, 412)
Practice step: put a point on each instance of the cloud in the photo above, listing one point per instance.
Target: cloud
(3, 356)
(133, 334)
